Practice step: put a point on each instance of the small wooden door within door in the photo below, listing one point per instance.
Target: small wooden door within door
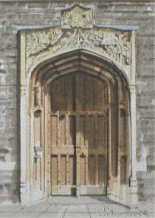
(63, 154)
(79, 130)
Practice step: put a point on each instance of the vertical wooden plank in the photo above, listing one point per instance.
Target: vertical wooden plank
(61, 96)
(67, 126)
(81, 130)
(69, 92)
(58, 101)
(89, 95)
(106, 97)
(59, 168)
(100, 90)
(82, 170)
(98, 99)
(54, 93)
(123, 170)
(101, 131)
(92, 169)
(90, 131)
(96, 129)
(63, 170)
(58, 131)
(114, 130)
(77, 147)
(96, 170)
(77, 152)
(62, 129)
(77, 92)
(80, 101)
(71, 130)
(54, 130)
(78, 134)
(71, 170)
(101, 170)
(54, 173)
(105, 123)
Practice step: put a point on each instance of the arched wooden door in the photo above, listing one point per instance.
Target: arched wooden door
(78, 135)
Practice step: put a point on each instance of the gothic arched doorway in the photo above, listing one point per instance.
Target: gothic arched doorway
(79, 108)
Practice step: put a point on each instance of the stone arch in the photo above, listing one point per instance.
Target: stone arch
(101, 61)
(99, 67)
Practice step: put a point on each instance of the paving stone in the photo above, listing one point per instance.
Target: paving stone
(77, 215)
(75, 209)
(51, 215)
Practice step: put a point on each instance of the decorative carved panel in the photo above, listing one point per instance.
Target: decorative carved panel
(77, 31)
(114, 44)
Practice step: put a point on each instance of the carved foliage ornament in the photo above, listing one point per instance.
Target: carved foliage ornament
(78, 31)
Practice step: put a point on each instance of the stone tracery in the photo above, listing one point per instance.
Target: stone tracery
(114, 44)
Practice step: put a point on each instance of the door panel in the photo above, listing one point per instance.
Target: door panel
(101, 169)
(92, 169)
(62, 130)
(64, 152)
(63, 170)
(54, 173)
(71, 170)
(78, 135)
(54, 130)
(82, 170)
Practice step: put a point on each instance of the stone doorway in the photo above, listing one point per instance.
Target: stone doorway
(78, 46)
(79, 122)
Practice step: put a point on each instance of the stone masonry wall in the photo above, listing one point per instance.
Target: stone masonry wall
(21, 14)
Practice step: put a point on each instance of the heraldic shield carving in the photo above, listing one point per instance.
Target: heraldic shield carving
(77, 16)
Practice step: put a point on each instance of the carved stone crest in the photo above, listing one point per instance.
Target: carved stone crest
(77, 16)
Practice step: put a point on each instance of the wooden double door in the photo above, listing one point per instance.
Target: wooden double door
(79, 135)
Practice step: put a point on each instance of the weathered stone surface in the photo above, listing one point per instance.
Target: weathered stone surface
(18, 15)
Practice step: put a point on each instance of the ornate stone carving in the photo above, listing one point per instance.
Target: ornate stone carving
(77, 31)
(111, 43)
(40, 40)
(77, 16)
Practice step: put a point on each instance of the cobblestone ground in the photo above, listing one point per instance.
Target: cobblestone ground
(83, 207)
